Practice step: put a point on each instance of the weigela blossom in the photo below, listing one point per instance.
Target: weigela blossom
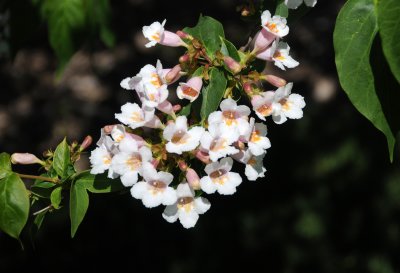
(128, 162)
(101, 157)
(278, 52)
(231, 117)
(276, 25)
(187, 208)
(134, 116)
(191, 89)
(154, 190)
(262, 104)
(254, 164)
(287, 105)
(257, 140)
(220, 178)
(157, 34)
(294, 4)
(179, 138)
(217, 141)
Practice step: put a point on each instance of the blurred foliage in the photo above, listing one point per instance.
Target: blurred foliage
(70, 24)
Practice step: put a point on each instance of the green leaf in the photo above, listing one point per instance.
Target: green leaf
(55, 197)
(98, 183)
(282, 9)
(64, 18)
(354, 34)
(79, 203)
(61, 159)
(213, 93)
(229, 49)
(14, 205)
(389, 25)
(42, 188)
(208, 31)
(185, 110)
(5, 165)
(199, 72)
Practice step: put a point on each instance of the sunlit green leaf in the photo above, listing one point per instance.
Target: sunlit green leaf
(98, 183)
(355, 30)
(55, 197)
(61, 159)
(229, 49)
(79, 203)
(14, 205)
(208, 31)
(389, 25)
(5, 165)
(213, 93)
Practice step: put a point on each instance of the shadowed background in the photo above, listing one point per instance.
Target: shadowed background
(330, 201)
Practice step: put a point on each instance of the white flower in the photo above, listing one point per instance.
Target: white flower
(287, 105)
(187, 208)
(190, 90)
(276, 25)
(154, 33)
(294, 4)
(231, 117)
(128, 162)
(257, 140)
(254, 164)
(154, 191)
(158, 35)
(281, 56)
(100, 160)
(219, 178)
(217, 142)
(118, 133)
(262, 104)
(180, 139)
(134, 116)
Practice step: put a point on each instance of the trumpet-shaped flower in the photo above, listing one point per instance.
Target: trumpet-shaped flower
(263, 104)
(156, 34)
(154, 190)
(217, 142)
(231, 117)
(220, 178)
(287, 105)
(187, 208)
(190, 90)
(257, 140)
(180, 139)
(294, 4)
(134, 116)
(254, 164)
(128, 162)
(276, 25)
(281, 56)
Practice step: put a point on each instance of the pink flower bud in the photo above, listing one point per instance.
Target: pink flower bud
(182, 34)
(232, 65)
(184, 58)
(202, 156)
(155, 162)
(86, 143)
(193, 179)
(166, 107)
(25, 159)
(248, 88)
(275, 81)
(177, 107)
(171, 39)
(262, 40)
(173, 74)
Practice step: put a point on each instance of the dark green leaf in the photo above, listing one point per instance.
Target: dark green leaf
(185, 110)
(98, 183)
(229, 49)
(98, 15)
(42, 188)
(282, 9)
(79, 203)
(14, 205)
(355, 31)
(389, 25)
(5, 165)
(38, 221)
(208, 31)
(55, 197)
(61, 159)
(213, 93)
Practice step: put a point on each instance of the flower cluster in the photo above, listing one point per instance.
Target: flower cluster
(170, 158)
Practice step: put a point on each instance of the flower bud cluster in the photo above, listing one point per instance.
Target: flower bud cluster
(170, 160)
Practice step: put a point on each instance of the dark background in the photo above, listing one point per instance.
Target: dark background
(330, 201)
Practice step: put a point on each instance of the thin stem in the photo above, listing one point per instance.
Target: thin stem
(48, 179)
(43, 210)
